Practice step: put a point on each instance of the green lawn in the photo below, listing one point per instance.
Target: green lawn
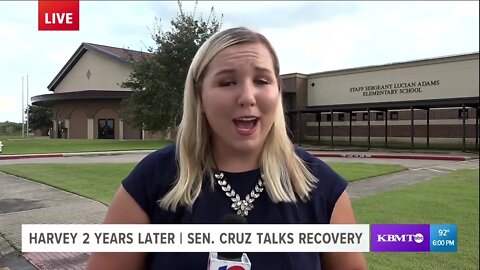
(356, 171)
(39, 146)
(449, 199)
(100, 181)
(95, 181)
(9, 137)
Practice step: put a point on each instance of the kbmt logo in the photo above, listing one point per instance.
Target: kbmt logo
(417, 238)
(58, 15)
(231, 268)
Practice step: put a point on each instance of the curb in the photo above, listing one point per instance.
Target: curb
(334, 155)
(2, 157)
(383, 156)
(112, 153)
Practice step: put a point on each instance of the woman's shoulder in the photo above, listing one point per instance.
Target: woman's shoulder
(330, 184)
(152, 177)
(162, 155)
(315, 164)
(317, 167)
(159, 166)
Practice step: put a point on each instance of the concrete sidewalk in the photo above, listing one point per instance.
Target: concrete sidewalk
(26, 202)
(55, 155)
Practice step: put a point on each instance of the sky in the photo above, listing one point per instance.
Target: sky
(309, 37)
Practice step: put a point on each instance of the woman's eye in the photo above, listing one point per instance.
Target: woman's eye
(262, 81)
(227, 83)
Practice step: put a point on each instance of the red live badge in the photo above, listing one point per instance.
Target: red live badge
(58, 15)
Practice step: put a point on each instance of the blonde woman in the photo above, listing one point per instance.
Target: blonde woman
(233, 129)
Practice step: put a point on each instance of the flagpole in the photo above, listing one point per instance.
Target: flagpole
(23, 116)
(27, 107)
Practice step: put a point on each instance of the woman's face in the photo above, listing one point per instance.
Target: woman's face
(239, 96)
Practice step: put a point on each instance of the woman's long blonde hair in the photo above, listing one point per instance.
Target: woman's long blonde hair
(285, 174)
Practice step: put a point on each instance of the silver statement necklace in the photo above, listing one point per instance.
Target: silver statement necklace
(242, 207)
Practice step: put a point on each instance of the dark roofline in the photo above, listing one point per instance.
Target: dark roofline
(293, 75)
(48, 99)
(84, 47)
(93, 47)
(100, 48)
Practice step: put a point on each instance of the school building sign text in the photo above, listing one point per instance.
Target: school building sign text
(394, 88)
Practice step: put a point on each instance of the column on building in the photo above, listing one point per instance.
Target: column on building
(54, 130)
(67, 126)
(120, 129)
(90, 128)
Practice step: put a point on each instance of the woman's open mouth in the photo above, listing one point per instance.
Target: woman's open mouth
(246, 125)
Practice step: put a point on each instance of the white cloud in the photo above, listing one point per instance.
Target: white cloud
(7, 32)
(319, 46)
(6, 104)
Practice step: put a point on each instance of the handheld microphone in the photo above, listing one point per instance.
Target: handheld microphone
(229, 260)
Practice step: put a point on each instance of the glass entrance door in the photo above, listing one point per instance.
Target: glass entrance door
(106, 128)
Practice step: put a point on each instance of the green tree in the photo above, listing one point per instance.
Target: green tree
(157, 82)
(39, 117)
(10, 128)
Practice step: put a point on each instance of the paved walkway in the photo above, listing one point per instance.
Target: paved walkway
(26, 202)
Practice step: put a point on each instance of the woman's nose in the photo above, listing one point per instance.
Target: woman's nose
(247, 95)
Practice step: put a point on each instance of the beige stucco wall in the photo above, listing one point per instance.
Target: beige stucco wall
(423, 81)
(83, 115)
(105, 74)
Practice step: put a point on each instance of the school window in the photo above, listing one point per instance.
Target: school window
(393, 115)
(379, 116)
(460, 113)
(365, 116)
(354, 116)
(341, 117)
(329, 117)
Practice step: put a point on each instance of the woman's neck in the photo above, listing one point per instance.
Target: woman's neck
(234, 161)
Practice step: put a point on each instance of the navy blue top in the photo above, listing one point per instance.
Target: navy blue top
(153, 176)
